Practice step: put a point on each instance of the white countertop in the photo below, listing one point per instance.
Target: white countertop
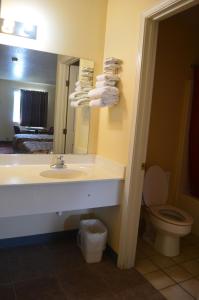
(25, 169)
(97, 182)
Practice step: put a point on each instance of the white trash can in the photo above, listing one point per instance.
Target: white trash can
(92, 237)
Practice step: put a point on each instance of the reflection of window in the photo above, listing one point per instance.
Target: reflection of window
(34, 108)
(16, 106)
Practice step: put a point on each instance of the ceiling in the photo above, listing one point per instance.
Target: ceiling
(32, 66)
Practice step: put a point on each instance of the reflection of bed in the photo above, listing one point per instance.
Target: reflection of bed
(37, 147)
(19, 139)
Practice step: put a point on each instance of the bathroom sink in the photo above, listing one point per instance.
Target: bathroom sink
(63, 173)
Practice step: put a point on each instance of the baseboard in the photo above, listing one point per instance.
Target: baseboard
(37, 239)
(47, 238)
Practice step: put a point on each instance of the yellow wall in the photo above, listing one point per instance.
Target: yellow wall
(122, 35)
(178, 49)
(74, 28)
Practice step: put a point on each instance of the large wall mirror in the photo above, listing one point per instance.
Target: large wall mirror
(35, 111)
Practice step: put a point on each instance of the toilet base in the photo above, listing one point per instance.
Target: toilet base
(168, 245)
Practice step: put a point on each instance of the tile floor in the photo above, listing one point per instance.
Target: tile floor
(58, 272)
(175, 278)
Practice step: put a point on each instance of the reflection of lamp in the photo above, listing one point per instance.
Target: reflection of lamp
(18, 67)
(8, 26)
(18, 70)
(17, 28)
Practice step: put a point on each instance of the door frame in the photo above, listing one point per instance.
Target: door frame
(63, 63)
(70, 111)
(140, 125)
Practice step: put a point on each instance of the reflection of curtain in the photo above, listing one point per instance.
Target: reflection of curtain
(194, 138)
(34, 108)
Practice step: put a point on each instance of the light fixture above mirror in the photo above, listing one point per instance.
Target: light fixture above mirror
(12, 27)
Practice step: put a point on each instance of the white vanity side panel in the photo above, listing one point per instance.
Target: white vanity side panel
(42, 223)
(47, 198)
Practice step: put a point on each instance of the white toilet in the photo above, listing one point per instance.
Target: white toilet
(170, 222)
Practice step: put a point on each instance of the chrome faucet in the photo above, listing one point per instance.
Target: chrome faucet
(60, 163)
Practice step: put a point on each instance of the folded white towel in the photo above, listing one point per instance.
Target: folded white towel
(77, 95)
(112, 60)
(87, 69)
(86, 77)
(83, 89)
(109, 98)
(74, 104)
(100, 103)
(107, 77)
(96, 103)
(103, 91)
(87, 89)
(83, 84)
(86, 73)
(102, 83)
(111, 67)
(81, 102)
(78, 89)
(77, 83)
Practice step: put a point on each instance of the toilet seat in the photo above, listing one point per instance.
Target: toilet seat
(171, 215)
(155, 194)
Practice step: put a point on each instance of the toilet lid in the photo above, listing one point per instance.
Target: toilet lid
(155, 189)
